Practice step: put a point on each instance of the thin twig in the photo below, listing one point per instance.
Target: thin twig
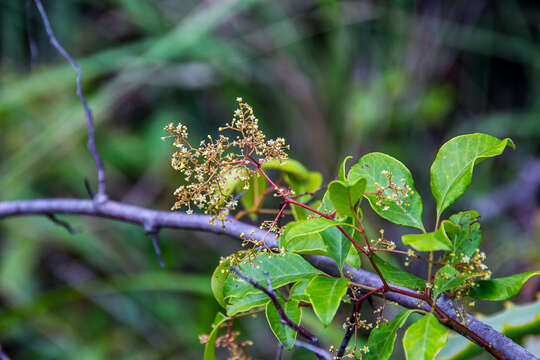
(101, 195)
(66, 225)
(89, 190)
(155, 242)
(30, 35)
(272, 295)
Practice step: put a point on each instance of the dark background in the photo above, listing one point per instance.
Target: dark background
(335, 78)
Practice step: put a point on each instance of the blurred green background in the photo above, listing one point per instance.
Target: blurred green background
(335, 78)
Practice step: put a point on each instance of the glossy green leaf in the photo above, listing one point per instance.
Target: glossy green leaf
(502, 288)
(298, 291)
(432, 241)
(397, 276)
(308, 227)
(284, 333)
(218, 280)
(211, 343)
(452, 170)
(343, 169)
(371, 166)
(246, 303)
(447, 278)
(312, 244)
(325, 294)
(337, 245)
(469, 237)
(424, 339)
(381, 339)
(282, 269)
(289, 166)
(346, 195)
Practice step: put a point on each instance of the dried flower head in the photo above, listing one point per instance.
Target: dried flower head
(212, 169)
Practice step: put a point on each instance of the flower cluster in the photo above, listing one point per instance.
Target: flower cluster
(471, 268)
(212, 169)
(392, 192)
(383, 243)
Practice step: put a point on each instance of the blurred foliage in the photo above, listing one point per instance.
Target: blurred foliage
(334, 78)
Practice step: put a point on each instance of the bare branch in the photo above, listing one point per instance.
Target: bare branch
(101, 195)
(166, 219)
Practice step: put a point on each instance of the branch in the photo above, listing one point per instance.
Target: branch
(101, 195)
(166, 219)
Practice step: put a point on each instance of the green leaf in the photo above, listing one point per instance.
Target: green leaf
(218, 280)
(211, 344)
(502, 288)
(311, 244)
(325, 294)
(343, 169)
(469, 237)
(452, 170)
(353, 258)
(397, 276)
(288, 166)
(298, 291)
(282, 269)
(337, 245)
(308, 227)
(381, 339)
(246, 303)
(283, 332)
(371, 166)
(346, 195)
(424, 339)
(447, 278)
(432, 241)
